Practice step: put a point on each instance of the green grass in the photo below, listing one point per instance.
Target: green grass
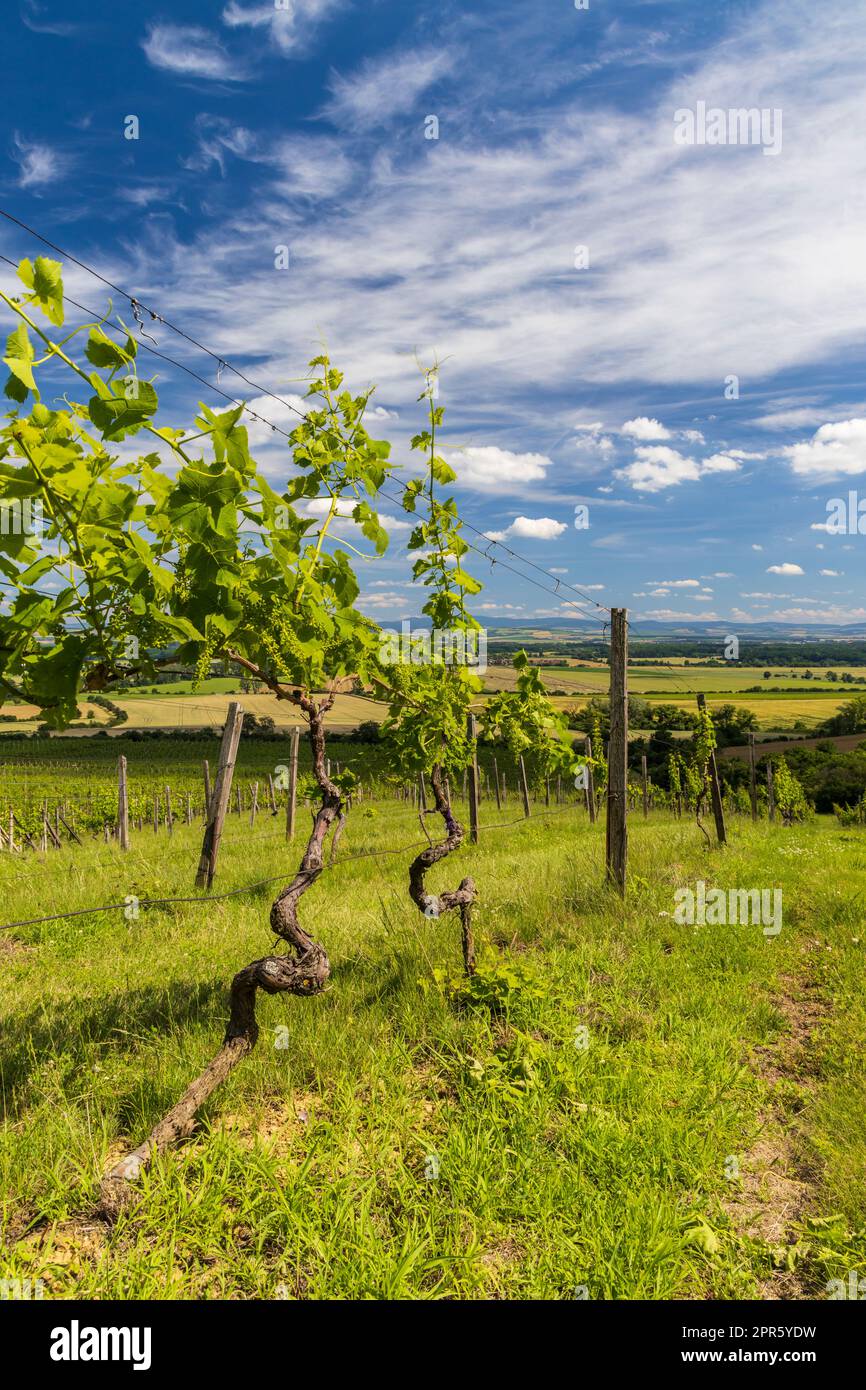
(557, 1167)
(212, 685)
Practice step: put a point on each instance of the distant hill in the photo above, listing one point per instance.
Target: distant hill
(646, 627)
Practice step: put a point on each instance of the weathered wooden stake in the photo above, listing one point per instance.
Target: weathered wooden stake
(496, 785)
(472, 732)
(206, 787)
(753, 778)
(122, 804)
(590, 783)
(645, 786)
(617, 753)
(220, 799)
(771, 792)
(524, 785)
(293, 786)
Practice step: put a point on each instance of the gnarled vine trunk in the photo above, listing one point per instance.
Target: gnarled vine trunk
(433, 904)
(305, 971)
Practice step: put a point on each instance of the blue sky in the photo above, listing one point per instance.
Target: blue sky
(589, 283)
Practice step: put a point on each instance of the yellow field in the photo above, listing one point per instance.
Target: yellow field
(778, 714)
(210, 710)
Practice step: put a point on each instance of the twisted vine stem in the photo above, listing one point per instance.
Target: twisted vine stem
(305, 971)
(434, 904)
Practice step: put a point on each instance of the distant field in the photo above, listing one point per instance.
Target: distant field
(678, 679)
(178, 705)
(774, 713)
(210, 710)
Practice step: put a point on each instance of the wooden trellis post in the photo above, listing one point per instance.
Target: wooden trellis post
(590, 783)
(220, 799)
(645, 786)
(293, 786)
(524, 785)
(496, 785)
(206, 787)
(472, 732)
(122, 804)
(771, 792)
(753, 779)
(617, 753)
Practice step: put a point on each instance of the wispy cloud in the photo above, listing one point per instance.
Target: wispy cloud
(385, 87)
(39, 18)
(190, 51)
(290, 27)
(38, 163)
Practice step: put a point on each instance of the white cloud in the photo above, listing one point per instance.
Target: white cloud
(794, 418)
(834, 450)
(39, 163)
(657, 466)
(190, 51)
(385, 87)
(486, 466)
(540, 528)
(289, 28)
(344, 524)
(392, 600)
(720, 463)
(786, 568)
(286, 413)
(641, 427)
(676, 583)
(674, 615)
(827, 616)
(832, 574)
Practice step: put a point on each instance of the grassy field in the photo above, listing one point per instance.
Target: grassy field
(676, 678)
(702, 1138)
